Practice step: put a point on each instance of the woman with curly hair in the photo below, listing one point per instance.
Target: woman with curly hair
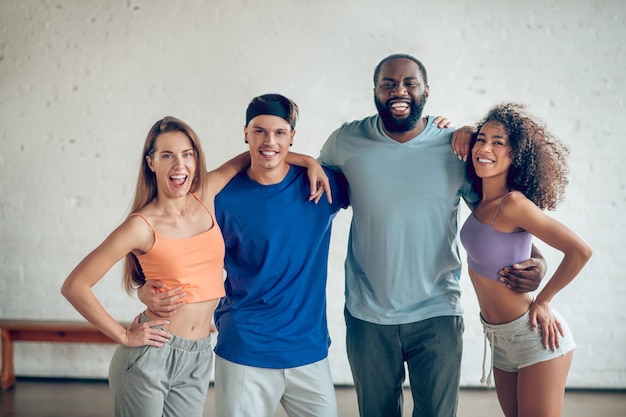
(519, 169)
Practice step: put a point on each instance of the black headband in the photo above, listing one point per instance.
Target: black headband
(257, 108)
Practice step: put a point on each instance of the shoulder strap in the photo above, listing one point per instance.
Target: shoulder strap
(145, 220)
(499, 207)
(203, 205)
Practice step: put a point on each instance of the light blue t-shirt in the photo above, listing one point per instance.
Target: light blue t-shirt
(402, 262)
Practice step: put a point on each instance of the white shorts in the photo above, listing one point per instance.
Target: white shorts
(248, 391)
(515, 345)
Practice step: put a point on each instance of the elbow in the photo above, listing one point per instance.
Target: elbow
(587, 252)
(582, 254)
(67, 289)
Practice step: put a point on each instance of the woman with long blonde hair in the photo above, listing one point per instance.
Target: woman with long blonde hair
(162, 367)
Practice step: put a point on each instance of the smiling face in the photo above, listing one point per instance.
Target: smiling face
(269, 138)
(173, 163)
(400, 94)
(491, 151)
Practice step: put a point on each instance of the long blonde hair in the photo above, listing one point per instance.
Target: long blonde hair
(146, 189)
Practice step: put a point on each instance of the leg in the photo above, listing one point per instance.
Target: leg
(541, 387)
(190, 364)
(246, 391)
(375, 356)
(534, 381)
(433, 350)
(310, 391)
(138, 381)
(506, 388)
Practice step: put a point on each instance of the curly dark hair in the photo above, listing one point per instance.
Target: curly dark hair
(539, 159)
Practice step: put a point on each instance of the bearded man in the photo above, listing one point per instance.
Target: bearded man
(402, 266)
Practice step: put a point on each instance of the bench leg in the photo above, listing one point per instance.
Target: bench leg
(8, 373)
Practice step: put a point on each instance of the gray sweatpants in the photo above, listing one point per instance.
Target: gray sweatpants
(172, 380)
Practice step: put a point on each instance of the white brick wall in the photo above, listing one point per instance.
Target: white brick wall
(82, 81)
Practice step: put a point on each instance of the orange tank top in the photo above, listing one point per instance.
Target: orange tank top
(196, 264)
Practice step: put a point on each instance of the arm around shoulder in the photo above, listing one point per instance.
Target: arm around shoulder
(318, 179)
(218, 178)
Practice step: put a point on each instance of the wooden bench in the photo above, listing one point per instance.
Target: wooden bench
(42, 331)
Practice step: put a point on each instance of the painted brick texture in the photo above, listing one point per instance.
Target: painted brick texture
(81, 82)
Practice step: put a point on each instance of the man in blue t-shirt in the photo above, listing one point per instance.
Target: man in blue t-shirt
(273, 340)
(273, 337)
(402, 266)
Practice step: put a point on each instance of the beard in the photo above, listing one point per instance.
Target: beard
(395, 124)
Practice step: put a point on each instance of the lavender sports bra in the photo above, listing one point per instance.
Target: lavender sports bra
(488, 250)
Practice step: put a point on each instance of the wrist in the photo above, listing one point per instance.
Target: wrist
(542, 299)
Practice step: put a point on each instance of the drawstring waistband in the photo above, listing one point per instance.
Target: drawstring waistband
(489, 333)
(502, 330)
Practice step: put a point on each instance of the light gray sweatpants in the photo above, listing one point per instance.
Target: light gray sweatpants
(172, 380)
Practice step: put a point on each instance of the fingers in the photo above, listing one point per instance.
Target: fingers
(315, 197)
(526, 268)
(459, 153)
(167, 310)
(550, 327)
(443, 122)
(514, 282)
(157, 338)
(456, 147)
(329, 195)
(461, 141)
(546, 336)
(560, 328)
(319, 185)
(154, 336)
(316, 191)
(520, 280)
(174, 296)
(169, 300)
(533, 322)
(145, 334)
(318, 188)
(166, 304)
(531, 271)
(154, 284)
(547, 332)
(549, 338)
(527, 264)
(555, 338)
(153, 323)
